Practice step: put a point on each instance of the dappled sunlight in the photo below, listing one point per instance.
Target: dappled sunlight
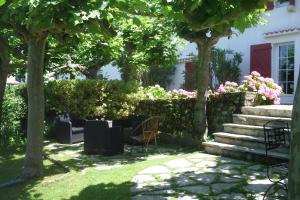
(203, 176)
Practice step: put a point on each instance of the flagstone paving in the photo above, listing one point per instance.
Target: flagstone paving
(203, 176)
(191, 176)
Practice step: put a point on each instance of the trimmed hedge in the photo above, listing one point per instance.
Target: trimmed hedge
(94, 99)
(177, 114)
(97, 99)
(89, 98)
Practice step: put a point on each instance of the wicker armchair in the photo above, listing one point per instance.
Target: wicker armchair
(100, 139)
(69, 131)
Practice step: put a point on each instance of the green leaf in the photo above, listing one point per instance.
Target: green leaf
(196, 4)
(2, 2)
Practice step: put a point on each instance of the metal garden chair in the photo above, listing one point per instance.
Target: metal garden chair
(276, 137)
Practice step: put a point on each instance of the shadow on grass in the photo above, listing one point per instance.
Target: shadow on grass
(104, 191)
(73, 157)
(77, 160)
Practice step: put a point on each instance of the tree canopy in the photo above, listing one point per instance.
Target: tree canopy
(147, 43)
(205, 22)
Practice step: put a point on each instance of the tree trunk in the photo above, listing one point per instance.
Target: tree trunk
(92, 73)
(202, 82)
(294, 163)
(33, 166)
(127, 73)
(4, 67)
(3, 79)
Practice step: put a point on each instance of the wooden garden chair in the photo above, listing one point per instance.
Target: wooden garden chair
(149, 129)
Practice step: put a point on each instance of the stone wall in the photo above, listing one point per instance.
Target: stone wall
(220, 108)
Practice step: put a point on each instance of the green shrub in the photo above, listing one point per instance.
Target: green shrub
(89, 98)
(177, 114)
(14, 109)
(95, 99)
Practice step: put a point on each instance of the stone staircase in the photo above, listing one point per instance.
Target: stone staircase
(244, 138)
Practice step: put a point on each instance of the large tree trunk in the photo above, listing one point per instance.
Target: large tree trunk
(202, 82)
(294, 163)
(4, 67)
(3, 79)
(33, 166)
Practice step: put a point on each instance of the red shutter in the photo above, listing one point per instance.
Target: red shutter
(260, 59)
(190, 70)
(270, 5)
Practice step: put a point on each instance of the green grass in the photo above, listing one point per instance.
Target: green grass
(83, 182)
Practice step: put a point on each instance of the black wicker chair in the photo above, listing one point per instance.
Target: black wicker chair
(69, 131)
(276, 137)
(100, 139)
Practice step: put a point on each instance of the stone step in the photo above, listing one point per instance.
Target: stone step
(242, 129)
(245, 141)
(270, 111)
(241, 152)
(258, 120)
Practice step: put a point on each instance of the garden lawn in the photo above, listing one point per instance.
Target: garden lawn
(91, 177)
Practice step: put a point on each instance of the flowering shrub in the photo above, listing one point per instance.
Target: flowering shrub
(152, 93)
(157, 92)
(228, 87)
(184, 93)
(268, 91)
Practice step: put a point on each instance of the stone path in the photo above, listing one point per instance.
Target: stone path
(203, 176)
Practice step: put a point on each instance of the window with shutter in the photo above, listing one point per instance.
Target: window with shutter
(270, 5)
(190, 71)
(260, 59)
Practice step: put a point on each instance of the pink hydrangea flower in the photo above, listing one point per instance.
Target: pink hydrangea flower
(255, 73)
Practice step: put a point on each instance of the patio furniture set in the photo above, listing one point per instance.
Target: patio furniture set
(107, 137)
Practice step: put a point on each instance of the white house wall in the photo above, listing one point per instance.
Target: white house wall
(277, 19)
(111, 72)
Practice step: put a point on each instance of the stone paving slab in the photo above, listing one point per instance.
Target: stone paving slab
(202, 176)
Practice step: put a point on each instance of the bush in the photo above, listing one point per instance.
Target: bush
(177, 114)
(89, 98)
(267, 91)
(95, 99)
(225, 66)
(114, 99)
(14, 109)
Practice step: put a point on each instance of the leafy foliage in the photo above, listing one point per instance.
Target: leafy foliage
(82, 53)
(2, 2)
(164, 79)
(148, 43)
(89, 98)
(14, 109)
(224, 67)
